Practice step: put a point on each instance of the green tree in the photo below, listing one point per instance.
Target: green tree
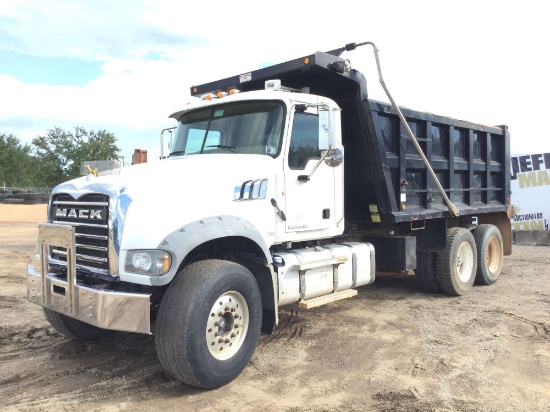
(17, 165)
(61, 152)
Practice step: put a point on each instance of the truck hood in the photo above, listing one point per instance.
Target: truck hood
(173, 175)
(150, 201)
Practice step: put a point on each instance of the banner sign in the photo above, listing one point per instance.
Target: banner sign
(530, 186)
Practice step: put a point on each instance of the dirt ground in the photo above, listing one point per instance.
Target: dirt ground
(391, 348)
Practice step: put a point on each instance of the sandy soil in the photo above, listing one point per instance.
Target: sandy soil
(391, 348)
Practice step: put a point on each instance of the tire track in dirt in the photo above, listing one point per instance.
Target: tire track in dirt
(538, 329)
(75, 371)
(289, 328)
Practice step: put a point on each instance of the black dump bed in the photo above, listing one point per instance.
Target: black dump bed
(385, 177)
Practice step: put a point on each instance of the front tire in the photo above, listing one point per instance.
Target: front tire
(490, 256)
(457, 263)
(208, 323)
(73, 328)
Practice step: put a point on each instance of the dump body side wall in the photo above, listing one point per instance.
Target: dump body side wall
(386, 178)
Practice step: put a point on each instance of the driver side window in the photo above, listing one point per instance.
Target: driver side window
(304, 141)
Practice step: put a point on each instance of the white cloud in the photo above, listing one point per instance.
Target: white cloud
(470, 60)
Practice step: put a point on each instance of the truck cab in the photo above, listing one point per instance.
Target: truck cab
(292, 132)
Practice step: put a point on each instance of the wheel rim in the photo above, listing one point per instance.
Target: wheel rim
(465, 262)
(227, 325)
(493, 255)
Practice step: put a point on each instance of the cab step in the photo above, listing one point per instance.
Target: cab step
(323, 300)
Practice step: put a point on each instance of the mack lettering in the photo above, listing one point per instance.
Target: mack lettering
(79, 213)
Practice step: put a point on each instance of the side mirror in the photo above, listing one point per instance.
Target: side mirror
(171, 131)
(335, 158)
(327, 135)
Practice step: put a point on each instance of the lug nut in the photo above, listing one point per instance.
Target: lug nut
(216, 323)
(233, 335)
(217, 334)
(236, 325)
(220, 314)
(236, 316)
(220, 340)
(233, 309)
(226, 340)
(227, 308)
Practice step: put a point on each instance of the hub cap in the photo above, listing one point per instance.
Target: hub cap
(465, 262)
(227, 325)
(493, 255)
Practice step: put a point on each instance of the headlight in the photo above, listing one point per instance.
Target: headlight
(148, 262)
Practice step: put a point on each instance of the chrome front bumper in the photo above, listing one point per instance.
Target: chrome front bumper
(105, 309)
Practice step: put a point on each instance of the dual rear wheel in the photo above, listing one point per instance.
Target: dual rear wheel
(468, 257)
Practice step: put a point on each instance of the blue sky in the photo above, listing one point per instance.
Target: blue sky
(54, 71)
(125, 66)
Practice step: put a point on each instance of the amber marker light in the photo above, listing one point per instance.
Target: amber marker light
(306, 60)
(221, 94)
(233, 91)
(167, 262)
(195, 90)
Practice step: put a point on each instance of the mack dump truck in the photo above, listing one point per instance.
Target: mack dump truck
(285, 185)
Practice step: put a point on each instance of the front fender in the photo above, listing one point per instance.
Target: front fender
(183, 240)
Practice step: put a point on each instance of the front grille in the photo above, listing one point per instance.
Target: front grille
(89, 216)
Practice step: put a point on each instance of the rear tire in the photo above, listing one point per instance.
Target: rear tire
(426, 271)
(208, 323)
(490, 255)
(73, 328)
(457, 263)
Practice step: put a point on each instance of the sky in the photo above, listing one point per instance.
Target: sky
(125, 66)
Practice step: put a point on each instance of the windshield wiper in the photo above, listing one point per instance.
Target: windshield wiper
(222, 146)
(177, 153)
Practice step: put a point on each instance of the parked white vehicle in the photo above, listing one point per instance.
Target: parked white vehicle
(254, 208)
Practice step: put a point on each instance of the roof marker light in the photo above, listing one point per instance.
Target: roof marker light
(274, 84)
(221, 94)
(234, 91)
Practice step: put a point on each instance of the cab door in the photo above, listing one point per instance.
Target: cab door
(310, 204)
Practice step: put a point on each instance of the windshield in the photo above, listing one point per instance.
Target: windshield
(253, 127)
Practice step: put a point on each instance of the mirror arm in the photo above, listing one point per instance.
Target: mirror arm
(306, 178)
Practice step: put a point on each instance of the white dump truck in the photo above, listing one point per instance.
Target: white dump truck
(284, 185)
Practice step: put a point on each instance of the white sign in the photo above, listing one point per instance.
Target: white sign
(530, 186)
